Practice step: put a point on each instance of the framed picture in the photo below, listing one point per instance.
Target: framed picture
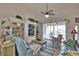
(31, 29)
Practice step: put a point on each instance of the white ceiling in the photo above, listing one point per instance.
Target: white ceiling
(61, 10)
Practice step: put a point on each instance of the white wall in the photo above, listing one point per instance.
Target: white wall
(69, 27)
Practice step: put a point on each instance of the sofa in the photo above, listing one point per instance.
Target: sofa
(69, 46)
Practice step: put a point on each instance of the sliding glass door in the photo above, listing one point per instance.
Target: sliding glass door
(53, 29)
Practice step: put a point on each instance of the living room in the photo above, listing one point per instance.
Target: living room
(25, 30)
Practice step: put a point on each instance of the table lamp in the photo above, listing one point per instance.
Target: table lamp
(73, 32)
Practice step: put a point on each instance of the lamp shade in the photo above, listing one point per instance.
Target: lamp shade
(73, 31)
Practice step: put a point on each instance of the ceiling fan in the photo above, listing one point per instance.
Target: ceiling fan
(48, 13)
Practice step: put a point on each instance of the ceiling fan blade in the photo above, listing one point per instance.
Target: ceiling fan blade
(42, 12)
(50, 10)
(51, 14)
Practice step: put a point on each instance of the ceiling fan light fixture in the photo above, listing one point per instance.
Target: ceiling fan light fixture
(47, 15)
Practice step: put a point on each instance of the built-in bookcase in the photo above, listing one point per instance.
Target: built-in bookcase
(18, 29)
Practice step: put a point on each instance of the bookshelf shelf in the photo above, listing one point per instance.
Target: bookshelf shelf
(18, 29)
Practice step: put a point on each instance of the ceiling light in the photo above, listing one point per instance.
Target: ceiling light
(47, 13)
(47, 16)
(18, 24)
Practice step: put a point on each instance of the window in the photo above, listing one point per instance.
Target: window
(53, 29)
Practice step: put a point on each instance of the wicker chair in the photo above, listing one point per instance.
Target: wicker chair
(57, 41)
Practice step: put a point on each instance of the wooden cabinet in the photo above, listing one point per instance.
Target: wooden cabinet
(7, 49)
